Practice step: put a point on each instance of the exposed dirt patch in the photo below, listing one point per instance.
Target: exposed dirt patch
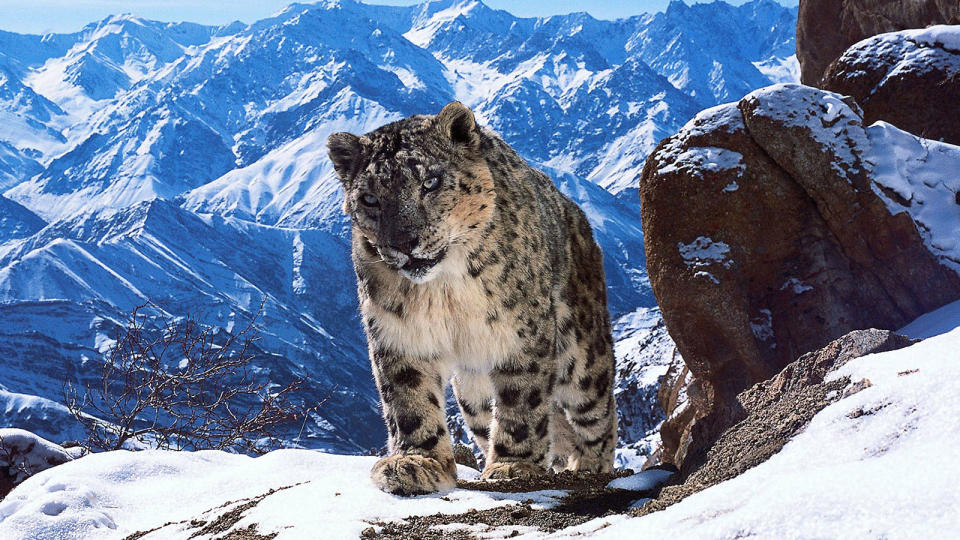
(564, 481)
(589, 498)
(221, 523)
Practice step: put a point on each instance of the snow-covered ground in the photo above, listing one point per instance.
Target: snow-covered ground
(114, 494)
(939, 321)
(881, 463)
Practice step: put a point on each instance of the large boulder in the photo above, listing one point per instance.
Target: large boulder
(779, 223)
(910, 79)
(825, 28)
(774, 411)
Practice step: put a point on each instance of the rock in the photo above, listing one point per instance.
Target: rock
(798, 225)
(825, 28)
(773, 411)
(463, 455)
(673, 398)
(23, 454)
(910, 79)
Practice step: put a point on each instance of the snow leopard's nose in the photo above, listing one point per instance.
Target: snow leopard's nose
(405, 244)
(393, 257)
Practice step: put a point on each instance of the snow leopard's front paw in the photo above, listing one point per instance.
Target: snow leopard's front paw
(411, 475)
(506, 470)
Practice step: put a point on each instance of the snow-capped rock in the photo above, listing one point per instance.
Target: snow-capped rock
(24, 454)
(833, 226)
(904, 78)
(826, 28)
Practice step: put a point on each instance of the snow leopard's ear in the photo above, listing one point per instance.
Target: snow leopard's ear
(456, 123)
(344, 150)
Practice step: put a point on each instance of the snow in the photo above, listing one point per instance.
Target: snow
(114, 494)
(779, 69)
(635, 458)
(890, 472)
(422, 33)
(707, 275)
(480, 530)
(703, 158)
(644, 353)
(762, 326)
(881, 463)
(639, 330)
(938, 321)
(724, 117)
(43, 417)
(679, 156)
(796, 285)
(619, 161)
(642, 481)
(294, 180)
(924, 174)
(704, 251)
(942, 35)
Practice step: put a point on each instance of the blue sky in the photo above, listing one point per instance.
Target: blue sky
(42, 16)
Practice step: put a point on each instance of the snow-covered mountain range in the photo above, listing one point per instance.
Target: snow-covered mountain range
(185, 165)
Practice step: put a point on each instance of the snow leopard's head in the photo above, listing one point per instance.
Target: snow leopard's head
(417, 188)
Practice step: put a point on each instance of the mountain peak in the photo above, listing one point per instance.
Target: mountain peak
(322, 5)
(677, 6)
(126, 17)
(435, 14)
(124, 21)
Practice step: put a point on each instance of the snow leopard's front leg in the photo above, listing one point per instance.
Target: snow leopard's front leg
(519, 434)
(411, 391)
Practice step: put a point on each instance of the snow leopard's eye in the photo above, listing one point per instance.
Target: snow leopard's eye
(369, 199)
(431, 183)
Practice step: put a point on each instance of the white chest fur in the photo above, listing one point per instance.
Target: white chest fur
(449, 318)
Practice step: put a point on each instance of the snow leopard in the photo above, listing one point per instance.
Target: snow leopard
(474, 269)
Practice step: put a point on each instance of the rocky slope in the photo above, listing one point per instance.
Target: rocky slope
(809, 225)
(826, 28)
(907, 78)
(774, 411)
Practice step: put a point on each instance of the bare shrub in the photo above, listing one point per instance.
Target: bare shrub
(182, 386)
